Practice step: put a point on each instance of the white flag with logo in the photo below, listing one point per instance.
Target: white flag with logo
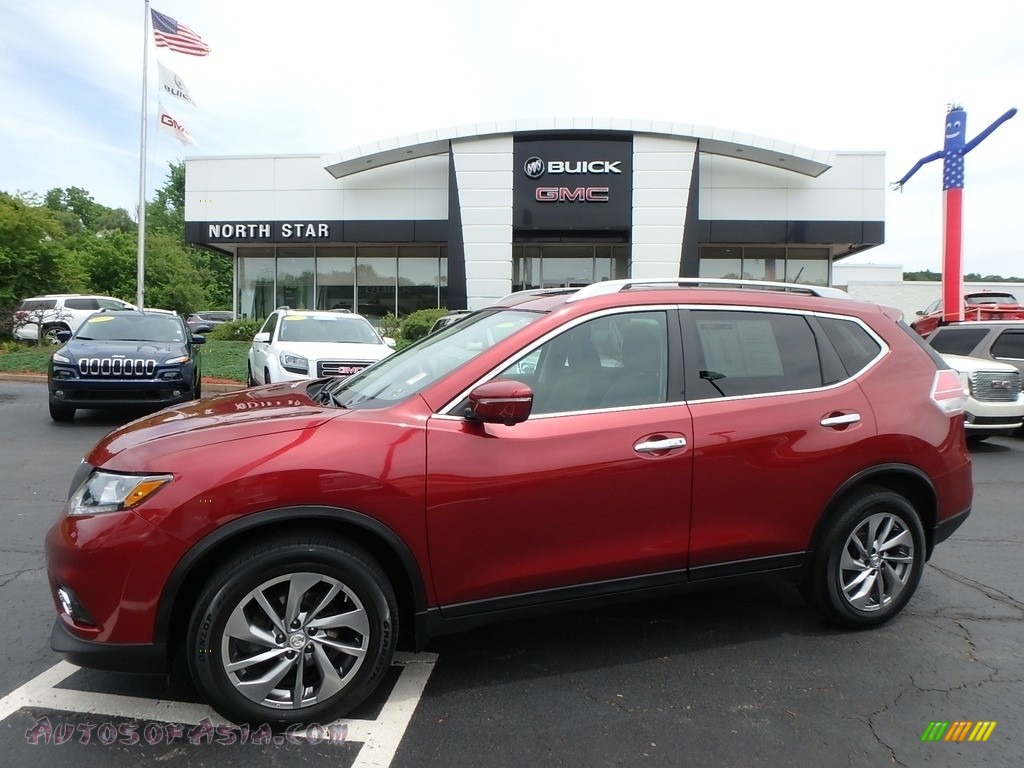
(171, 84)
(172, 126)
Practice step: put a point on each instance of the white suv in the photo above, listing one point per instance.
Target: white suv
(995, 404)
(56, 312)
(296, 344)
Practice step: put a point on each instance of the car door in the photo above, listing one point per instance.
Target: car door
(777, 421)
(259, 350)
(591, 493)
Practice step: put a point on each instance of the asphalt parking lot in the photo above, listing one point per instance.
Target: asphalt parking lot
(734, 677)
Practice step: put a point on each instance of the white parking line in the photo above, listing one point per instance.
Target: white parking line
(379, 737)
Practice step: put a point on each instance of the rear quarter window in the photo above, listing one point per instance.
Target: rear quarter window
(1009, 345)
(957, 341)
(34, 305)
(90, 304)
(854, 345)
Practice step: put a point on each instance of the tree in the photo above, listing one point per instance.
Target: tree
(33, 256)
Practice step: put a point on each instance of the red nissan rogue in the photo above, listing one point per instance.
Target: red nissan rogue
(558, 449)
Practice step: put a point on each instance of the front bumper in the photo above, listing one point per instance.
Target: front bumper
(110, 656)
(79, 393)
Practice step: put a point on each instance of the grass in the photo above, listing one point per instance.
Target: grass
(221, 359)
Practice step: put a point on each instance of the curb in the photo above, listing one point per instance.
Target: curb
(208, 386)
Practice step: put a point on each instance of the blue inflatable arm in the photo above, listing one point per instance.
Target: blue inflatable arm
(985, 134)
(916, 168)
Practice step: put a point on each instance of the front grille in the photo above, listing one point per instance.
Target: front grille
(339, 367)
(995, 386)
(117, 367)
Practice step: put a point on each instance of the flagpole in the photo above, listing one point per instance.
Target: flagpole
(140, 276)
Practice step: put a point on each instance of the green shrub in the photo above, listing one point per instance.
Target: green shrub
(418, 324)
(390, 326)
(236, 330)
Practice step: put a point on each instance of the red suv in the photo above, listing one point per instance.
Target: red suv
(561, 448)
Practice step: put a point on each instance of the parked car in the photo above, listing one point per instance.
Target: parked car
(995, 402)
(981, 305)
(201, 322)
(560, 449)
(124, 358)
(450, 319)
(59, 312)
(990, 340)
(298, 344)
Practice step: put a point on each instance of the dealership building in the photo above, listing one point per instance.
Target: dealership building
(460, 217)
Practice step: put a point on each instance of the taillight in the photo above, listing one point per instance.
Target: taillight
(948, 392)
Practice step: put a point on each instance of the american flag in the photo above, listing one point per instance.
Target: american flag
(170, 34)
(953, 169)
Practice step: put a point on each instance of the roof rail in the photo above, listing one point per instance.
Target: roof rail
(616, 286)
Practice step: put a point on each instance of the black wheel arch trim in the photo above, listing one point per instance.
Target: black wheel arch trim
(252, 523)
(876, 476)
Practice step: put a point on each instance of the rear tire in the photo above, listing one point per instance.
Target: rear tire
(869, 560)
(299, 629)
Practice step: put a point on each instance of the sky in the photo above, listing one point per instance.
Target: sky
(320, 76)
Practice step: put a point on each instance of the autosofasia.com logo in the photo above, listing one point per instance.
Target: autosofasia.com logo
(959, 730)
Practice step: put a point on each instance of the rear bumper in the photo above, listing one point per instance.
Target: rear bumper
(945, 529)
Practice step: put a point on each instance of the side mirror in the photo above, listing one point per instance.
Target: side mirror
(197, 339)
(501, 401)
(389, 341)
(921, 312)
(63, 335)
(261, 338)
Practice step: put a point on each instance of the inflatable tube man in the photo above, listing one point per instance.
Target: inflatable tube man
(953, 152)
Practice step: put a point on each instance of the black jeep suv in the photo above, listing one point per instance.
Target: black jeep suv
(125, 358)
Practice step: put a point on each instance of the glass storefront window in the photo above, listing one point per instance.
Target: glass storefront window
(808, 265)
(418, 282)
(764, 264)
(255, 282)
(721, 263)
(295, 270)
(376, 280)
(336, 277)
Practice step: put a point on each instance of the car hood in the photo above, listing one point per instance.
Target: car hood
(972, 364)
(334, 350)
(220, 419)
(156, 350)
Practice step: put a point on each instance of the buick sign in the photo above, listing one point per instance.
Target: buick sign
(534, 168)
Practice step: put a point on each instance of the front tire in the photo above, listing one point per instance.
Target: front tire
(300, 629)
(61, 412)
(250, 379)
(869, 561)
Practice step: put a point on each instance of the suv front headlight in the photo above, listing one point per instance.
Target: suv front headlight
(294, 363)
(108, 492)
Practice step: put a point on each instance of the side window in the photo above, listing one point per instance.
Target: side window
(957, 341)
(1009, 346)
(609, 362)
(750, 353)
(110, 304)
(855, 346)
(270, 325)
(90, 304)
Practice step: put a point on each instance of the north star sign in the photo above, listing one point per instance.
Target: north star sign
(565, 184)
(266, 231)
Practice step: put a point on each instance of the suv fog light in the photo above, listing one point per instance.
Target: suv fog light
(70, 604)
(58, 393)
(176, 392)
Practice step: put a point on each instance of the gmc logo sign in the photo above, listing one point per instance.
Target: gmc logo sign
(572, 195)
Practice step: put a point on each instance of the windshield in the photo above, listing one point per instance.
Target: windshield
(131, 327)
(407, 372)
(329, 328)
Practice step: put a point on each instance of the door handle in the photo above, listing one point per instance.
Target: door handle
(666, 444)
(843, 420)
